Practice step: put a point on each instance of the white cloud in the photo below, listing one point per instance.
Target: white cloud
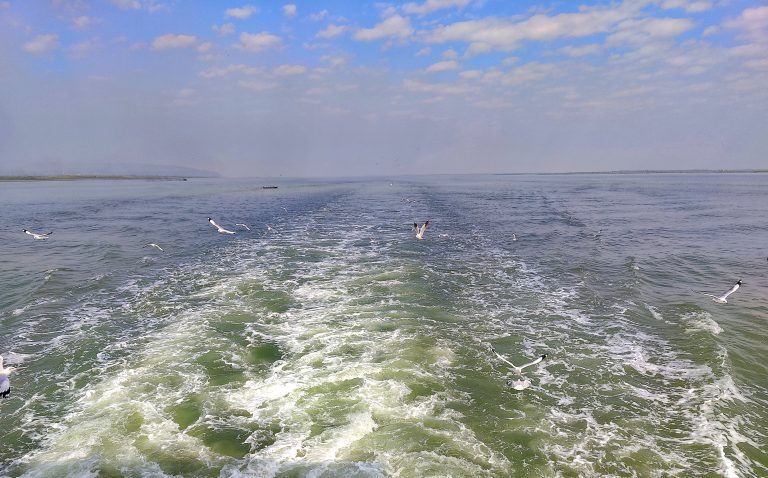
(430, 6)
(583, 50)
(151, 6)
(394, 26)
(435, 88)
(505, 35)
(4, 5)
(450, 54)
(321, 15)
(218, 72)
(241, 13)
(205, 47)
(257, 42)
(290, 70)
(471, 74)
(42, 44)
(258, 85)
(82, 22)
(426, 51)
(335, 60)
(289, 10)
(529, 72)
(332, 31)
(83, 48)
(510, 60)
(689, 6)
(185, 97)
(169, 40)
(751, 49)
(443, 66)
(127, 4)
(642, 31)
(315, 46)
(225, 29)
(753, 22)
(761, 64)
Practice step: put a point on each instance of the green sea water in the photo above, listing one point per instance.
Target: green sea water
(334, 344)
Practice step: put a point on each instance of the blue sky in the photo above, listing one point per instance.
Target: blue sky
(376, 88)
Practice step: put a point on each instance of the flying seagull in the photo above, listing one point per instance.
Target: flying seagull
(152, 244)
(39, 237)
(420, 230)
(5, 383)
(721, 299)
(219, 228)
(243, 225)
(520, 384)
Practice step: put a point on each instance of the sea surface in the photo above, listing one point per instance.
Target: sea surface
(338, 345)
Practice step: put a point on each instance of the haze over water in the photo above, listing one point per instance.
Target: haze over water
(339, 345)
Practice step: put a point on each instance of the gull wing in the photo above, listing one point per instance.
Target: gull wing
(5, 384)
(542, 357)
(505, 360)
(730, 291)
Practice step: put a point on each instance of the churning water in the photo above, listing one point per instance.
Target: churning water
(339, 345)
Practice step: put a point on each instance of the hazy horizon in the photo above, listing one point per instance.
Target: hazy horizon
(303, 89)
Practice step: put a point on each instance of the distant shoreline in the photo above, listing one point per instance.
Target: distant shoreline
(653, 171)
(77, 177)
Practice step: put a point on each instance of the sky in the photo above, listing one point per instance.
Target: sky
(357, 88)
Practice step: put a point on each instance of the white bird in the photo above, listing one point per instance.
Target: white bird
(271, 229)
(5, 383)
(420, 230)
(219, 228)
(243, 225)
(39, 237)
(520, 384)
(152, 244)
(514, 237)
(721, 299)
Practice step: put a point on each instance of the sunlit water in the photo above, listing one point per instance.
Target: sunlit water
(339, 345)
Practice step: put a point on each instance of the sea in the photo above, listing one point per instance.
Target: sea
(328, 341)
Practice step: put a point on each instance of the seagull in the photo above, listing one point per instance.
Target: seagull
(520, 384)
(420, 230)
(219, 228)
(722, 298)
(5, 383)
(271, 229)
(152, 244)
(514, 237)
(244, 225)
(39, 237)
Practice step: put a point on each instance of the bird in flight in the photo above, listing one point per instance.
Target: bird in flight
(243, 225)
(39, 237)
(220, 229)
(152, 244)
(721, 299)
(521, 383)
(420, 230)
(5, 382)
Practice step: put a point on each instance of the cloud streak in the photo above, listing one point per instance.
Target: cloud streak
(172, 41)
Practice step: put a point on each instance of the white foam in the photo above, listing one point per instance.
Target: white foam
(654, 312)
(701, 321)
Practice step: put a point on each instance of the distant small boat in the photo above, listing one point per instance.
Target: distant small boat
(269, 187)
